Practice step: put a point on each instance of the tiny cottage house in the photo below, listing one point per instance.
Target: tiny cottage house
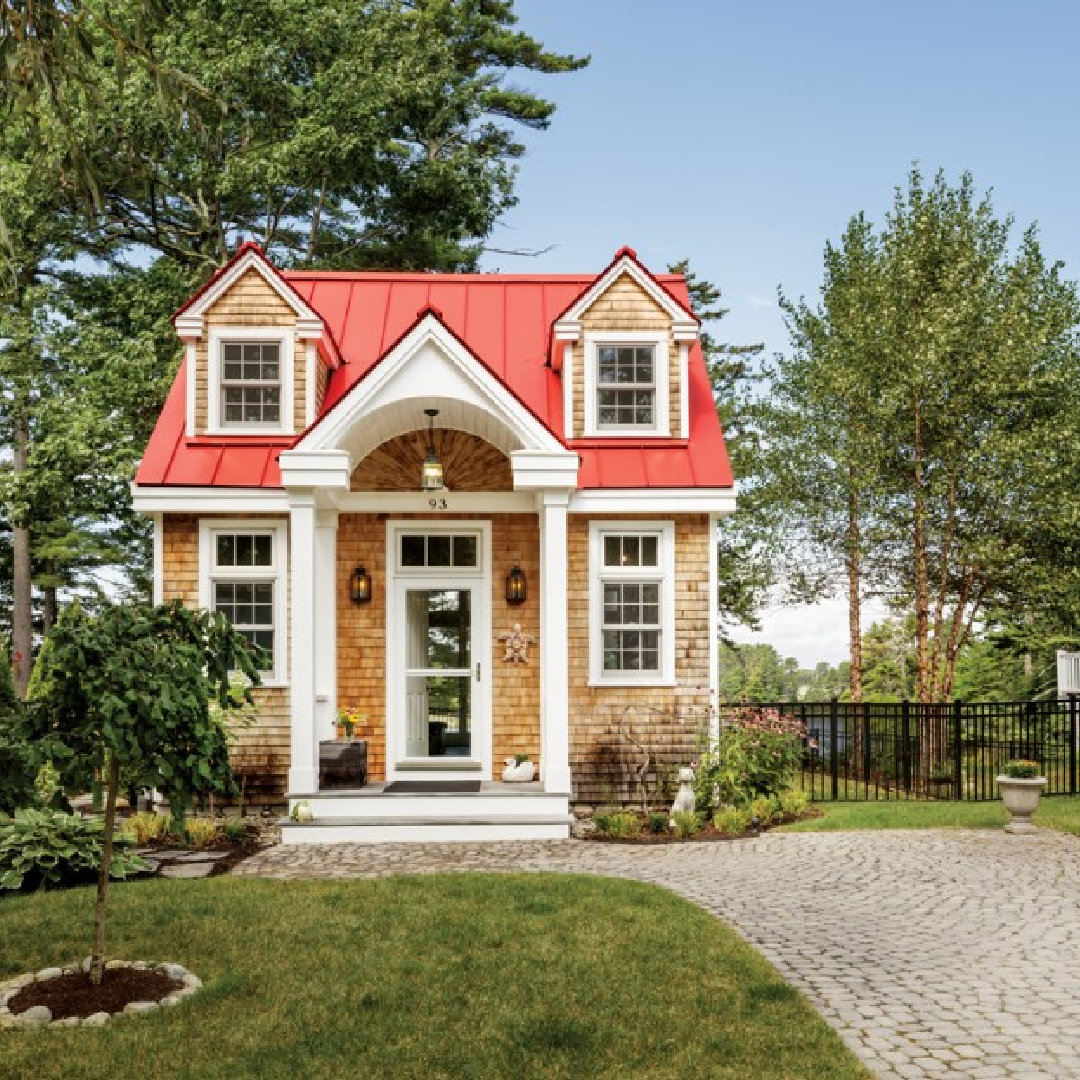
(478, 512)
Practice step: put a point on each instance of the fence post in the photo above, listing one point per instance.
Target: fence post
(905, 743)
(834, 764)
(958, 749)
(1072, 745)
(866, 748)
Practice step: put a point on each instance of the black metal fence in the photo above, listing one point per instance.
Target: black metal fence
(908, 750)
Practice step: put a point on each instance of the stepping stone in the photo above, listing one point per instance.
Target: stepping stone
(187, 870)
(201, 856)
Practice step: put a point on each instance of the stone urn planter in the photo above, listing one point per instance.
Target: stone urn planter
(1021, 797)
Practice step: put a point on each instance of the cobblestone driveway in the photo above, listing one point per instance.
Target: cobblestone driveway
(934, 954)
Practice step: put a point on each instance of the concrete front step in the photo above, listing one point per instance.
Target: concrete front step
(449, 807)
(462, 828)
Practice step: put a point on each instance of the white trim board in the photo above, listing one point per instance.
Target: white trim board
(658, 339)
(286, 340)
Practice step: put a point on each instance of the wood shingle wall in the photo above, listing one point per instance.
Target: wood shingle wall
(469, 463)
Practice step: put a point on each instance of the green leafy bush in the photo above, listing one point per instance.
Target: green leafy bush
(621, 824)
(18, 768)
(766, 808)
(731, 820)
(236, 831)
(49, 847)
(794, 802)
(686, 823)
(757, 753)
(657, 823)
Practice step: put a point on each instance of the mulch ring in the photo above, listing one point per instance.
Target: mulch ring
(708, 832)
(65, 997)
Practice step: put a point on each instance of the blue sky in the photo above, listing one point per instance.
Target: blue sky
(744, 135)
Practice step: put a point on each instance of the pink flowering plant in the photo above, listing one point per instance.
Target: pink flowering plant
(758, 753)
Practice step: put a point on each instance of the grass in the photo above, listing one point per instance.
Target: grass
(477, 976)
(1058, 812)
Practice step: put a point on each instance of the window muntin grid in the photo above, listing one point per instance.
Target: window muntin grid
(249, 606)
(250, 382)
(626, 386)
(631, 628)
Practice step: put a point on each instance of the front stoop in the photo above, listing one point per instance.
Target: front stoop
(496, 812)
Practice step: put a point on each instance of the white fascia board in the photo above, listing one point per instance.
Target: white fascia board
(332, 431)
(315, 469)
(567, 330)
(189, 326)
(205, 500)
(251, 261)
(653, 501)
(440, 502)
(685, 330)
(657, 293)
(544, 469)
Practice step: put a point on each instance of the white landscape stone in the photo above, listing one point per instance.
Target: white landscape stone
(35, 1016)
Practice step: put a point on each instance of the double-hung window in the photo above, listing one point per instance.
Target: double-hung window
(242, 578)
(626, 384)
(632, 568)
(251, 383)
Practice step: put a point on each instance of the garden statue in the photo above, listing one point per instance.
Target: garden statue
(685, 798)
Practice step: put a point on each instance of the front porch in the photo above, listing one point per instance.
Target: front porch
(373, 814)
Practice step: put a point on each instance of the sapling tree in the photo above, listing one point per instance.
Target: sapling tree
(130, 691)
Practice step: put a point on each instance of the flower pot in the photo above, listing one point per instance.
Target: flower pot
(1021, 798)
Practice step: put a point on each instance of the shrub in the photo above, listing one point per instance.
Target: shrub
(764, 808)
(54, 848)
(198, 832)
(621, 823)
(236, 831)
(144, 827)
(686, 823)
(731, 820)
(17, 768)
(657, 823)
(757, 753)
(794, 802)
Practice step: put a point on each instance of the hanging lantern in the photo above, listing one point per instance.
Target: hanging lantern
(431, 472)
(515, 586)
(360, 586)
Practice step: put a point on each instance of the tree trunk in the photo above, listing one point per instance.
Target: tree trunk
(922, 598)
(854, 599)
(22, 630)
(48, 609)
(97, 956)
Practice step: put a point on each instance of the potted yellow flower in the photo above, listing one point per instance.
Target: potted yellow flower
(1021, 784)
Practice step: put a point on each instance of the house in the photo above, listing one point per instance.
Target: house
(478, 509)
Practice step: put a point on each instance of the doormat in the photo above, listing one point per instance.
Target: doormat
(432, 787)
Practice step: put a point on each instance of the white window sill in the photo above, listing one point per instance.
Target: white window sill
(629, 684)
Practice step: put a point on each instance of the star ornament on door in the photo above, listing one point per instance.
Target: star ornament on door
(517, 645)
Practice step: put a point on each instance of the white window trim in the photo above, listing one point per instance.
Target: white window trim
(219, 335)
(665, 574)
(277, 573)
(661, 428)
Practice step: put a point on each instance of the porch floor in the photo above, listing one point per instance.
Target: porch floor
(377, 789)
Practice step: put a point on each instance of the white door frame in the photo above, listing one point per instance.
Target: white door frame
(478, 766)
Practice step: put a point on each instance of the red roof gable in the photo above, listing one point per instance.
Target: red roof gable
(505, 320)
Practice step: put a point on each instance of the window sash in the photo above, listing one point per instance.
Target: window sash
(250, 608)
(625, 386)
(251, 375)
(631, 625)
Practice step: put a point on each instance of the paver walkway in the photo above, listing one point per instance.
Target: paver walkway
(934, 954)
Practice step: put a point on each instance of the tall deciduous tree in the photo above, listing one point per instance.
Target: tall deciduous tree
(926, 422)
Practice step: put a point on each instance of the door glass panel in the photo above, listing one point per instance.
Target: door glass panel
(439, 675)
(438, 551)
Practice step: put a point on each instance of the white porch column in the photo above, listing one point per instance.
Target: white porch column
(554, 644)
(714, 628)
(304, 769)
(326, 527)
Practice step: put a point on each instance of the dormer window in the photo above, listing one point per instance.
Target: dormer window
(626, 391)
(626, 384)
(251, 382)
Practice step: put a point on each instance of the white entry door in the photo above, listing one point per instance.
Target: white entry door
(439, 626)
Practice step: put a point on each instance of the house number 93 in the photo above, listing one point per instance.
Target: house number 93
(438, 504)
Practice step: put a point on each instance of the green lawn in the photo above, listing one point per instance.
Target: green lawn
(414, 977)
(1059, 812)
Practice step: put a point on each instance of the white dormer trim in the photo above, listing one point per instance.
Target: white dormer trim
(658, 339)
(684, 326)
(287, 353)
(309, 324)
(449, 373)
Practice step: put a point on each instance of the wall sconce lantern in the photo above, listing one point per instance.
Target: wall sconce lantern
(515, 586)
(360, 586)
(431, 472)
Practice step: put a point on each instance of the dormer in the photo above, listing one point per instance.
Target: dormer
(252, 350)
(623, 349)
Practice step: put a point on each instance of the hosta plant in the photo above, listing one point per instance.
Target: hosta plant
(53, 847)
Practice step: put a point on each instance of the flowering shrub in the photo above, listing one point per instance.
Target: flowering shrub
(757, 754)
(1020, 769)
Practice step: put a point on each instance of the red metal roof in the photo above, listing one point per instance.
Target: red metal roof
(505, 320)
